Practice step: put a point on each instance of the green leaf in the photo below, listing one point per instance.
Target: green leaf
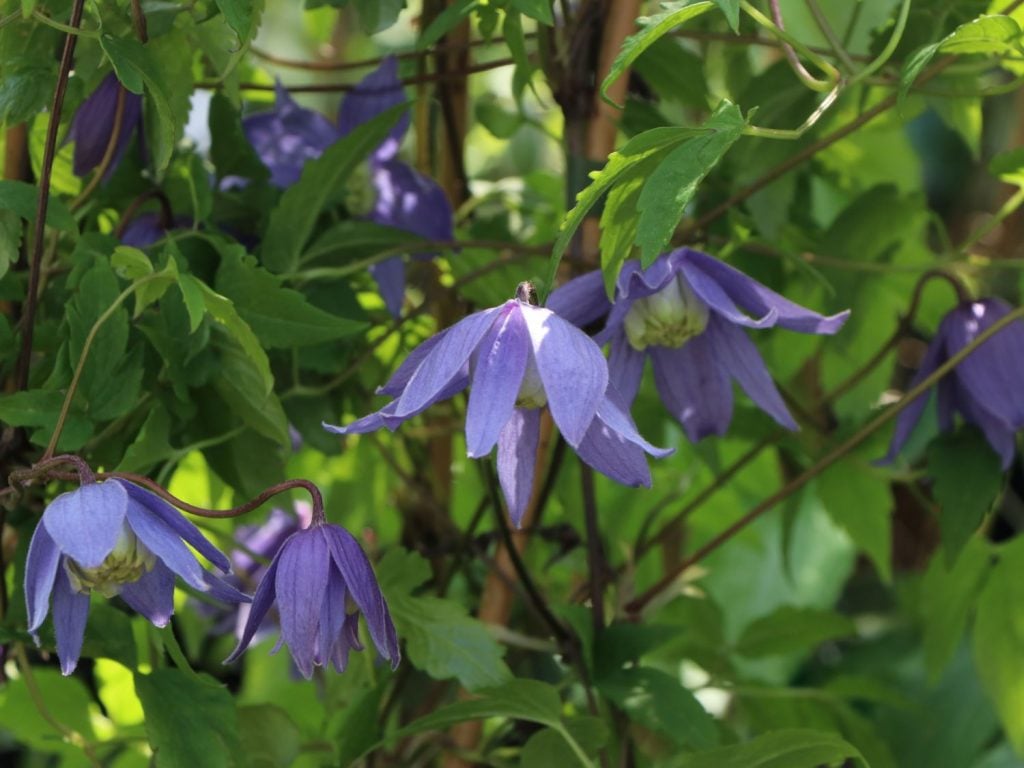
(947, 597)
(376, 15)
(24, 91)
(280, 317)
(22, 198)
(674, 182)
(224, 313)
(731, 9)
(360, 730)
(786, 748)
(130, 263)
(243, 16)
(548, 748)
(352, 240)
(445, 22)
(529, 700)
(650, 144)
(292, 221)
(441, 639)
(859, 500)
(151, 445)
(230, 151)
(191, 720)
(269, 737)
(240, 384)
(10, 240)
(968, 477)
(67, 700)
(155, 286)
(195, 304)
(159, 69)
(790, 629)
(619, 219)
(994, 35)
(535, 9)
(662, 703)
(999, 640)
(652, 29)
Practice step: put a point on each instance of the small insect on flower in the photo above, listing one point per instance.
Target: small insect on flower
(115, 538)
(320, 579)
(686, 312)
(986, 389)
(517, 359)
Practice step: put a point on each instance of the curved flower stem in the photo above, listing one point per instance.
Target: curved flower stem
(86, 347)
(166, 214)
(242, 509)
(637, 605)
(791, 45)
(69, 735)
(44, 468)
(890, 47)
(69, 29)
(962, 294)
(833, 40)
(45, 174)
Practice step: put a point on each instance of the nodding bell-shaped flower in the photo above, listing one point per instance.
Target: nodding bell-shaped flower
(114, 538)
(517, 359)
(389, 191)
(93, 125)
(287, 136)
(986, 388)
(686, 312)
(320, 580)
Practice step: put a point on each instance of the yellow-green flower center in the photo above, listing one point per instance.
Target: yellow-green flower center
(126, 563)
(531, 391)
(667, 318)
(360, 196)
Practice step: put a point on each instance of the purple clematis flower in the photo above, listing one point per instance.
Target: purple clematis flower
(117, 539)
(315, 575)
(395, 194)
(986, 389)
(286, 136)
(148, 228)
(93, 125)
(517, 358)
(686, 312)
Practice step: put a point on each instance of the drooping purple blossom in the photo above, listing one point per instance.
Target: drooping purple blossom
(517, 359)
(986, 388)
(148, 228)
(401, 196)
(386, 190)
(317, 573)
(117, 539)
(686, 312)
(287, 136)
(93, 124)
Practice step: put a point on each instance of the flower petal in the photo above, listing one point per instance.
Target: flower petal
(41, 566)
(993, 374)
(86, 523)
(695, 389)
(907, 419)
(408, 200)
(711, 293)
(93, 125)
(302, 574)
(70, 613)
(444, 362)
(499, 369)
(614, 413)
(332, 617)
(365, 592)
(400, 378)
(220, 589)
(261, 602)
(760, 300)
(611, 454)
(517, 457)
(572, 368)
(625, 367)
(738, 355)
(177, 522)
(163, 542)
(390, 277)
(152, 595)
(581, 301)
(378, 92)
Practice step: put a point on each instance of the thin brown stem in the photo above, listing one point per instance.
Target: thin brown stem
(636, 606)
(794, 61)
(28, 317)
(596, 563)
